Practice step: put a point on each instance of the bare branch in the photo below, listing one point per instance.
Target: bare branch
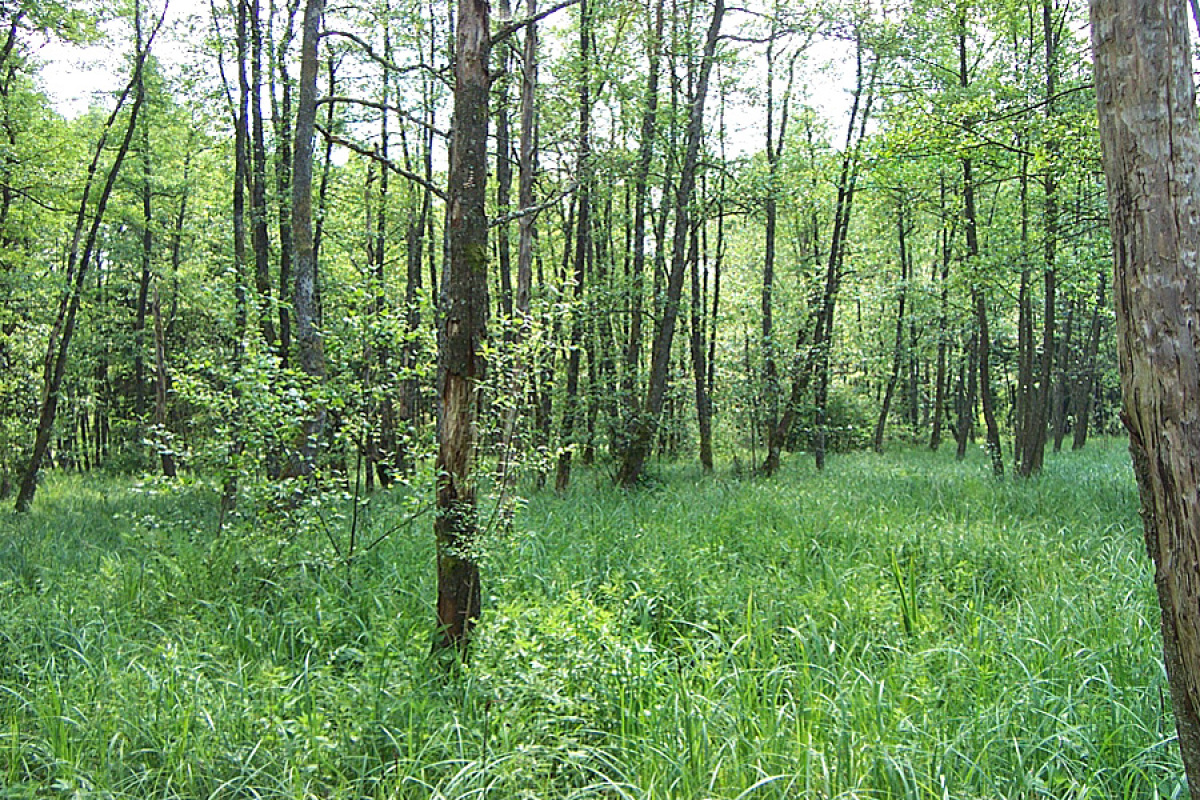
(387, 63)
(524, 212)
(510, 28)
(388, 163)
(385, 107)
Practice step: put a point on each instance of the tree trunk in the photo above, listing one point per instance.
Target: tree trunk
(462, 326)
(1151, 145)
(281, 111)
(978, 295)
(1033, 442)
(699, 357)
(1060, 393)
(943, 322)
(864, 93)
(647, 135)
(143, 295)
(1084, 388)
(770, 385)
(583, 237)
(79, 257)
(898, 349)
(646, 424)
(965, 395)
(258, 183)
(310, 352)
(527, 148)
(162, 388)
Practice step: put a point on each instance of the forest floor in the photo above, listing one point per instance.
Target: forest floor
(899, 626)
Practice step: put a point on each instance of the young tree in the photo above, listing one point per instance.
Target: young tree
(1151, 145)
(82, 252)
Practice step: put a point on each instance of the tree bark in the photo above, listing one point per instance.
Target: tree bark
(943, 322)
(898, 348)
(162, 388)
(978, 293)
(260, 238)
(462, 326)
(310, 353)
(1084, 388)
(281, 111)
(699, 355)
(1151, 145)
(770, 371)
(527, 149)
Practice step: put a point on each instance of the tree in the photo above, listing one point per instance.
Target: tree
(82, 251)
(309, 347)
(633, 459)
(462, 310)
(1151, 145)
(583, 251)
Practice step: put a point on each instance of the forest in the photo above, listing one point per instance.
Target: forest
(592, 398)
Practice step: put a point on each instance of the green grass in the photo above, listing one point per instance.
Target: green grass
(896, 627)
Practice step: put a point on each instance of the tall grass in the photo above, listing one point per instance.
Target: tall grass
(895, 627)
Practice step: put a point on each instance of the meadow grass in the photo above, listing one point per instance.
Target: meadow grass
(899, 626)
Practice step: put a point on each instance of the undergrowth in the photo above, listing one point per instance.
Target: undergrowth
(896, 627)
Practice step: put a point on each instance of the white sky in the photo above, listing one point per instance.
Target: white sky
(76, 77)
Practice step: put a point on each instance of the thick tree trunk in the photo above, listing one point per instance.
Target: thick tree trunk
(462, 326)
(1151, 145)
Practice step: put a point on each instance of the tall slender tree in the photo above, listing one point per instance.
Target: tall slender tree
(80, 256)
(645, 425)
(310, 351)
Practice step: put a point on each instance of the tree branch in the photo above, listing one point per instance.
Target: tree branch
(387, 63)
(362, 151)
(510, 28)
(384, 107)
(524, 212)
